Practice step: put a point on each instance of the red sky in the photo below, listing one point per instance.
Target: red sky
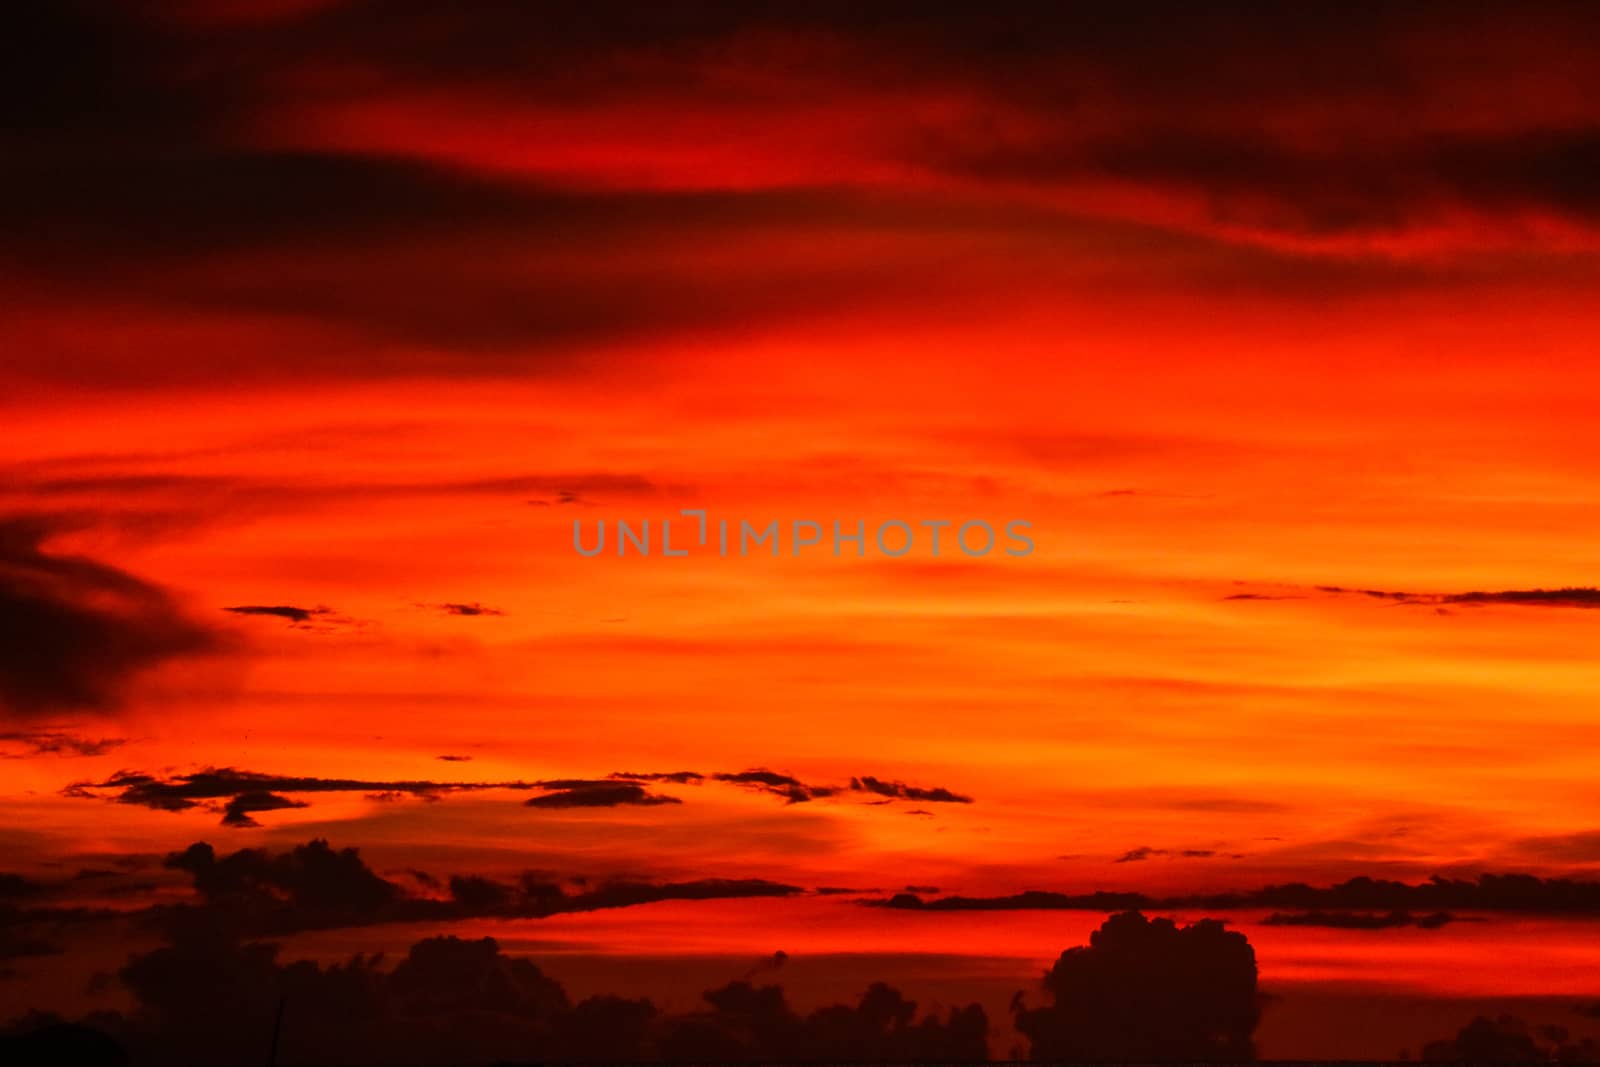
(1253, 315)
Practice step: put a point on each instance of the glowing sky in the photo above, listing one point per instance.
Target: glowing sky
(1253, 318)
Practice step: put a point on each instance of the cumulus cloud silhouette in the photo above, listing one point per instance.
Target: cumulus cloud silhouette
(755, 1024)
(1508, 1039)
(315, 886)
(205, 996)
(1148, 991)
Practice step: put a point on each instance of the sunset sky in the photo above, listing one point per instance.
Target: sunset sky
(326, 321)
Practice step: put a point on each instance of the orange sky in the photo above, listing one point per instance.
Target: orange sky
(365, 323)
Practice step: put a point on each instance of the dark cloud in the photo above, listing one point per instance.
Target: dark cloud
(166, 160)
(542, 898)
(314, 886)
(254, 791)
(795, 791)
(296, 615)
(1136, 854)
(237, 812)
(247, 792)
(74, 632)
(1488, 892)
(600, 795)
(788, 787)
(1348, 920)
(1148, 991)
(18, 887)
(1508, 1039)
(935, 794)
(759, 777)
(50, 742)
(1253, 184)
(773, 962)
(17, 947)
(454, 759)
(573, 783)
(455, 262)
(676, 777)
(1057, 98)
(468, 609)
(208, 997)
(1582, 847)
(1566, 597)
(1569, 597)
(43, 1038)
(1516, 893)
(1145, 852)
(755, 1024)
(1029, 900)
(93, 478)
(423, 878)
(564, 497)
(219, 197)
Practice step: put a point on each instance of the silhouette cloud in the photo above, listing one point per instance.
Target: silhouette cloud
(786, 786)
(320, 619)
(246, 791)
(1508, 1039)
(936, 794)
(50, 1041)
(1148, 991)
(469, 609)
(279, 611)
(1485, 893)
(1581, 596)
(207, 997)
(1145, 852)
(17, 887)
(1142, 990)
(755, 1024)
(75, 633)
(54, 742)
(237, 812)
(1203, 154)
(677, 777)
(1346, 920)
(15, 946)
(600, 795)
(314, 886)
